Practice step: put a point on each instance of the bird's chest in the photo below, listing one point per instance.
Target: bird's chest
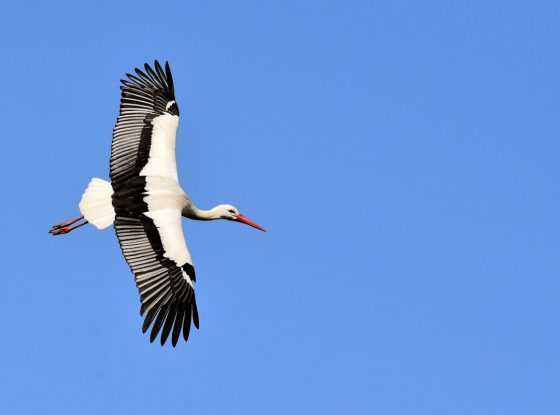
(164, 193)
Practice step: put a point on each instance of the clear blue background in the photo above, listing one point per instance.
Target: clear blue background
(403, 154)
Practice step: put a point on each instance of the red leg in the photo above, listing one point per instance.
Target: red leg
(68, 222)
(66, 227)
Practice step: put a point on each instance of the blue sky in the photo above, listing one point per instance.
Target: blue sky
(403, 155)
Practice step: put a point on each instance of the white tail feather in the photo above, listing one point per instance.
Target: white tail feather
(96, 204)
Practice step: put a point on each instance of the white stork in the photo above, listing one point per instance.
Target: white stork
(145, 203)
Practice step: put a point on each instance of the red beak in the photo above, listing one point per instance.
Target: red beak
(244, 219)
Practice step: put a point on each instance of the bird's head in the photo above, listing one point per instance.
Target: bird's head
(230, 212)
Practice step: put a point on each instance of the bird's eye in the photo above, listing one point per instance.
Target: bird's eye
(231, 211)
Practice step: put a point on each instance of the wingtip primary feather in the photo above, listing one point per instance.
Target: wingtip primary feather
(187, 323)
(169, 320)
(169, 78)
(195, 314)
(158, 323)
(178, 325)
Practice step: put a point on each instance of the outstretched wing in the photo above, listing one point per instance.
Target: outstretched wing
(144, 135)
(154, 247)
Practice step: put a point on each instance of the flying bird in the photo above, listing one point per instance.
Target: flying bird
(145, 204)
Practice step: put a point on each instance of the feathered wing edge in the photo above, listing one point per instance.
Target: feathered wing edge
(151, 80)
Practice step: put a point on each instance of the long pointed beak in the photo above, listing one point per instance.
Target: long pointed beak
(244, 219)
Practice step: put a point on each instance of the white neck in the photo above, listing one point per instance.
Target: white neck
(192, 212)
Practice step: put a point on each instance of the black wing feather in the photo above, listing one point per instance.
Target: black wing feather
(158, 323)
(178, 324)
(168, 323)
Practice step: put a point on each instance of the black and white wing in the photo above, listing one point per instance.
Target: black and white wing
(144, 135)
(147, 200)
(154, 247)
